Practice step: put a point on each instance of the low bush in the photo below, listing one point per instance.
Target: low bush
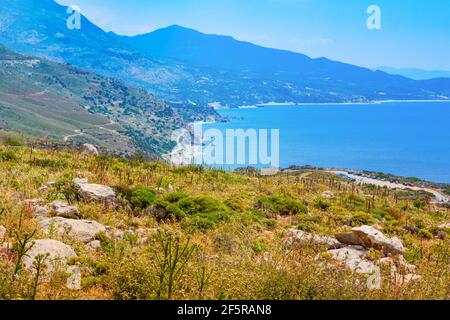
(274, 205)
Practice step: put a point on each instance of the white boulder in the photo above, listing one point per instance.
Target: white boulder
(81, 230)
(373, 238)
(355, 258)
(299, 236)
(58, 254)
(89, 149)
(62, 209)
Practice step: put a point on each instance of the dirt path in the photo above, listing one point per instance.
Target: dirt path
(439, 197)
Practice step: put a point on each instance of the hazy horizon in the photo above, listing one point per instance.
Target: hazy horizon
(317, 28)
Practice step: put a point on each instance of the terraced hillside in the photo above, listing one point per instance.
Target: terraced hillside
(60, 102)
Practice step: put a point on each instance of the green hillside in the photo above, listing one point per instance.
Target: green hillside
(63, 103)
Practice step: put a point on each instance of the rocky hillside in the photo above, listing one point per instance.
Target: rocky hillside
(92, 227)
(63, 103)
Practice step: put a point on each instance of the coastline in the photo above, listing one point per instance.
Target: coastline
(293, 104)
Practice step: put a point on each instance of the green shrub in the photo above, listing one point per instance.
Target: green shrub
(142, 198)
(425, 234)
(280, 205)
(200, 204)
(12, 143)
(49, 163)
(322, 204)
(174, 197)
(8, 156)
(361, 218)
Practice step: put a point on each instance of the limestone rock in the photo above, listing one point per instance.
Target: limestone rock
(302, 237)
(328, 195)
(34, 202)
(444, 226)
(373, 238)
(2, 232)
(89, 150)
(355, 258)
(74, 280)
(94, 245)
(349, 238)
(58, 253)
(96, 192)
(81, 230)
(47, 186)
(62, 209)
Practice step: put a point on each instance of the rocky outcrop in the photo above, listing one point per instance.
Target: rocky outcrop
(349, 238)
(328, 195)
(304, 238)
(57, 253)
(2, 233)
(355, 258)
(95, 192)
(62, 209)
(89, 150)
(373, 238)
(80, 230)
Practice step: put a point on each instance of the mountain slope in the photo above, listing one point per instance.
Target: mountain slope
(416, 74)
(64, 103)
(191, 70)
(296, 71)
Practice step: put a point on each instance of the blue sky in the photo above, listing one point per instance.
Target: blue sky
(415, 33)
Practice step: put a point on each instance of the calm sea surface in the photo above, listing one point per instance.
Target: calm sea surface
(407, 139)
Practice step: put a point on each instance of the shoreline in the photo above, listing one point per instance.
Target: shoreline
(293, 104)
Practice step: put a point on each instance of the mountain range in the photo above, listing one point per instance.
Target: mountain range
(415, 73)
(191, 70)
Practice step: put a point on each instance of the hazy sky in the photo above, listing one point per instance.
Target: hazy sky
(414, 33)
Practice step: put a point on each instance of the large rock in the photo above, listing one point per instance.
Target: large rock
(355, 258)
(62, 209)
(81, 230)
(349, 238)
(2, 233)
(301, 237)
(373, 238)
(58, 254)
(328, 195)
(89, 150)
(95, 192)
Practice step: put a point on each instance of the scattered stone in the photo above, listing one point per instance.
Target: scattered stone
(96, 192)
(74, 280)
(80, 181)
(355, 258)
(81, 230)
(411, 229)
(302, 237)
(58, 253)
(442, 235)
(397, 264)
(47, 186)
(89, 150)
(34, 202)
(349, 238)
(328, 195)
(41, 212)
(94, 245)
(444, 226)
(373, 238)
(2, 232)
(62, 209)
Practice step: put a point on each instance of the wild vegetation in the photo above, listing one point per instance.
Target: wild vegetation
(209, 234)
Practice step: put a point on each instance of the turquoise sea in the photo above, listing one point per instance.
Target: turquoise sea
(410, 139)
